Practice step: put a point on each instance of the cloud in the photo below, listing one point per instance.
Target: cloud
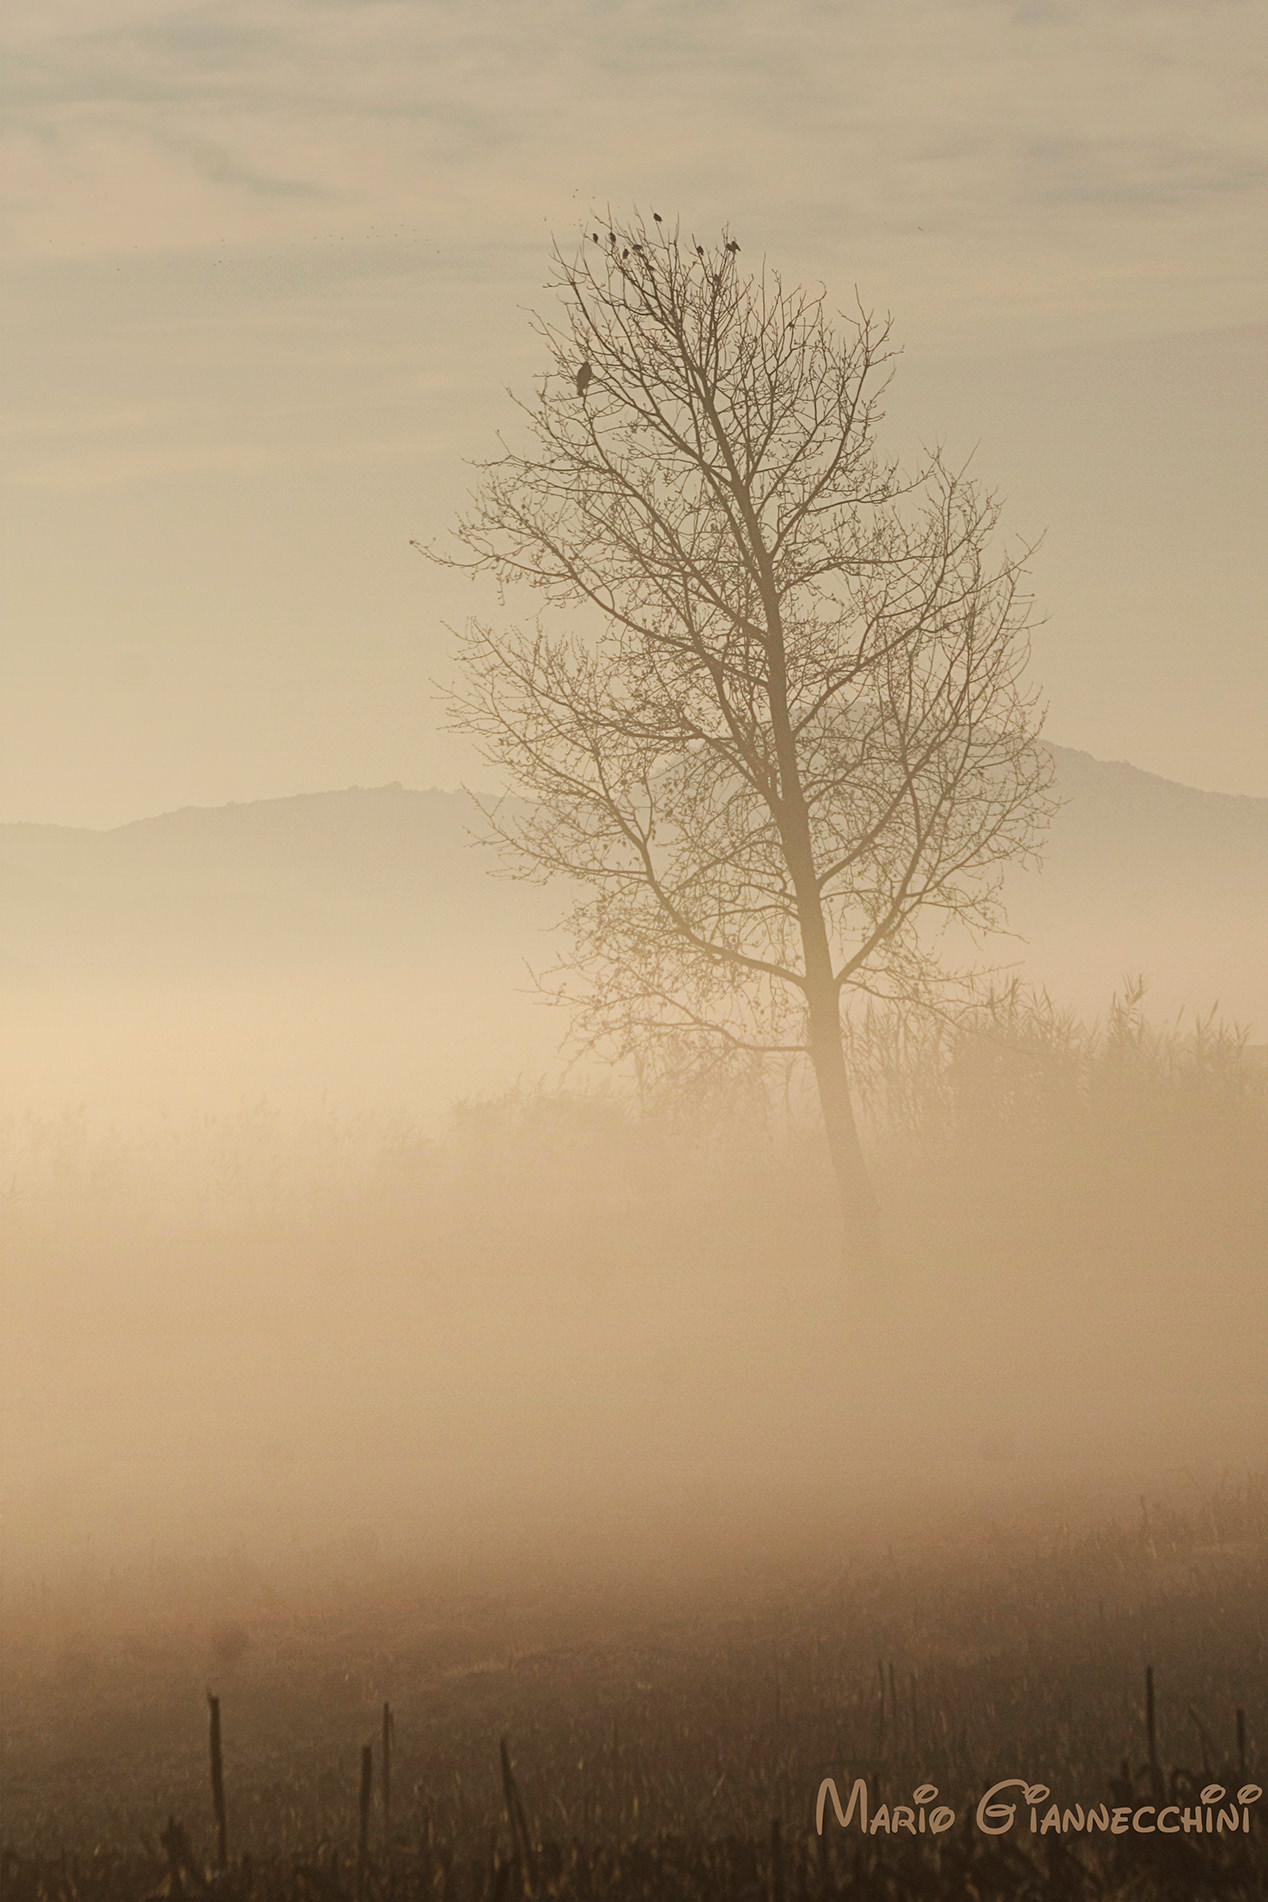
(344, 181)
(1022, 105)
(1135, 174)
(218, 164)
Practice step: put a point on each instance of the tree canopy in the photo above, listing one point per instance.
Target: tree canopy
(772, 715)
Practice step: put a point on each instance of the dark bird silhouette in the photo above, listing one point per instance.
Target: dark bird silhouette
(584, 375)
(594, 237)
(656, 215)
(699, 250)
(733, 247)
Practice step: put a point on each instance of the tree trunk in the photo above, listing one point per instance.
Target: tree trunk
(859, 1207)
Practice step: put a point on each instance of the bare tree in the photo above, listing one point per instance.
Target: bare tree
(772, 708)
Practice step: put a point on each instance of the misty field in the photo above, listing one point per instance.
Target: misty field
(666, 1738)
(562, 1424)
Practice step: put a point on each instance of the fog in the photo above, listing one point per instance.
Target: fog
(318, 1279)
(323, 1267)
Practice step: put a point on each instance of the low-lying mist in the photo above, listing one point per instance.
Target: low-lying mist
(281, 1356)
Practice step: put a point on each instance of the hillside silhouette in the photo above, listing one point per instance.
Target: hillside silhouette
(1139, 874)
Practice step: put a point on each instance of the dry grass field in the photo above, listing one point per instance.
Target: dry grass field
(562, 1426)
(668, 1739)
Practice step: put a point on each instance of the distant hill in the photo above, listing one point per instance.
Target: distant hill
(377, 876)
(1140, 874)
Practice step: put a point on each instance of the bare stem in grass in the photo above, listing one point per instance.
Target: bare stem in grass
(389, 1725)
(1156, 1786)
(524, 1859)
(218, 1786)
(363, 1819)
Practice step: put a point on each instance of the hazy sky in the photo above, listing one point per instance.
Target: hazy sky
(267, 272)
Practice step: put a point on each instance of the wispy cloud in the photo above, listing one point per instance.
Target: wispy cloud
(340, 171)
(492, 110)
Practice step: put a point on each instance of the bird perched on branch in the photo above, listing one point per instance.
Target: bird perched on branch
(733, 247)
(584, 375)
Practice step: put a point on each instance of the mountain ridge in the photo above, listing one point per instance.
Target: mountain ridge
(1138, 872)
(1061, 754)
